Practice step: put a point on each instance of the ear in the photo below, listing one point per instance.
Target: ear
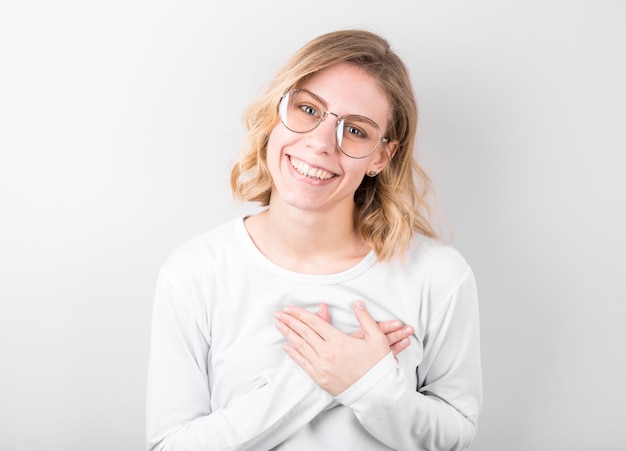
(383, 158)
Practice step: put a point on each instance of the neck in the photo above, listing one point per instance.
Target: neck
(308, 241)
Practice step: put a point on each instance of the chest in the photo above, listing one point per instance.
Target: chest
(245, 344)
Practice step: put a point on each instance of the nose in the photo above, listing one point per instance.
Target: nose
(323, 138)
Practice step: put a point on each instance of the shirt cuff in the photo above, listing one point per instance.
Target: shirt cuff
(386, 365)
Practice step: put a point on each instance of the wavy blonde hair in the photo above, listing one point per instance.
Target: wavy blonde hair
(390, 207)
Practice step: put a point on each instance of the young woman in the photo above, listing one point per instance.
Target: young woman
(334, 319)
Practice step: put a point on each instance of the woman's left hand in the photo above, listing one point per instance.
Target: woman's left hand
(334, 360)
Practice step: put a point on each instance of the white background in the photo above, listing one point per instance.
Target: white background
(118, 124)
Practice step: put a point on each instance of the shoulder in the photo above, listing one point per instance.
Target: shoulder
(438, 254)
(438, 265)
(201, 252)
(440, 276)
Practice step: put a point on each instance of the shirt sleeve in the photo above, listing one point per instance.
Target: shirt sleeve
(179, 415)
(442, 412)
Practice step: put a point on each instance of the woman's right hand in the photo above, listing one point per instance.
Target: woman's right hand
(397, 333)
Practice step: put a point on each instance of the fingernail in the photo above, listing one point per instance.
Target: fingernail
(359, 305)
(279, 315)
(396, 325)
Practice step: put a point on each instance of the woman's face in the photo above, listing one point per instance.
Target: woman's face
(309, 171)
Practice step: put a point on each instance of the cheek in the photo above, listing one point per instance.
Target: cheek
(277, 141)
(355, 168)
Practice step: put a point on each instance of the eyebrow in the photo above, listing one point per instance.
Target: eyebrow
(342, 115)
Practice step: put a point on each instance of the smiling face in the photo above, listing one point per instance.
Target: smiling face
(308, 170)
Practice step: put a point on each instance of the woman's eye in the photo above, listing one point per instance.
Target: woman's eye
(354, 132)
(308, 109)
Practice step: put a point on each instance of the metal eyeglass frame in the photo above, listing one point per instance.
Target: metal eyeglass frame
(282, 111)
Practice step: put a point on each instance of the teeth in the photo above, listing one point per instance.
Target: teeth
(308, 171)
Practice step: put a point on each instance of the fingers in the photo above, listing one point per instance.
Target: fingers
(398, 337)
(400, 346)
(396, 334)
(392, 325)
(324, 313)
(301, 339)
(307, 331)
(386, 327)
(316, 322)
(302, 327)
(370, 327)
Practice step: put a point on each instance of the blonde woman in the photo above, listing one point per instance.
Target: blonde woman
(334, 319)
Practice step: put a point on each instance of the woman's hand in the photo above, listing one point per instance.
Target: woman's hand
(334, 360)
(397, 333)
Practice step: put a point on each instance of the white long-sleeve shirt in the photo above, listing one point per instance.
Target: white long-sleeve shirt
(219, 379)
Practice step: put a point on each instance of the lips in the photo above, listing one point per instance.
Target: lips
(308, 171)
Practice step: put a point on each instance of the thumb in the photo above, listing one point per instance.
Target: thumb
(369, 326)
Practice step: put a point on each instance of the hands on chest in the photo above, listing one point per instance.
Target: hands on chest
(333, 359)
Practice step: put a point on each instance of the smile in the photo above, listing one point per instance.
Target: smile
(304, 169)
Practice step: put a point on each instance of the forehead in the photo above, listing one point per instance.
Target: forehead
(348, 89)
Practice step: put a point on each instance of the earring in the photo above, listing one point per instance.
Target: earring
(372, 173)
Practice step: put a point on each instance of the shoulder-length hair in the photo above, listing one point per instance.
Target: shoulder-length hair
(390, 207)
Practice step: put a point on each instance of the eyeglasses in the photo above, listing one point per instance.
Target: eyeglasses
(357, 136)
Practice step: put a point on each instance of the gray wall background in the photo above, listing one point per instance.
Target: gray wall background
(119, 121)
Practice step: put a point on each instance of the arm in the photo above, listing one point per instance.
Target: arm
(179, 414)
(441, 414)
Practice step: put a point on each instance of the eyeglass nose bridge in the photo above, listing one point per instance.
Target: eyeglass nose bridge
(338, 122)
(326, 113)
(338, 126)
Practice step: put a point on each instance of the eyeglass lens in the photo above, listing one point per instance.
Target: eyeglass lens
(357, 136)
